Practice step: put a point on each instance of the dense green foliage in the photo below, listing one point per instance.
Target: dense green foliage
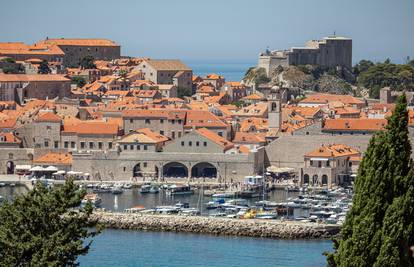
(379, 228)
(44, 68)
(43, 228)
(8, 60)
(375, 76)
(87, 62)
(79, 81)
(183, 92)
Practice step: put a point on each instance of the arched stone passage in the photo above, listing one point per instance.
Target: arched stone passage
(314, 179)
(10, 167)
(306, 179)
(136, 171)
(204, 169)
(324, 179)
(175, 169)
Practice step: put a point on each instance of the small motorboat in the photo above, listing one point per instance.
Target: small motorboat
(2, 184)
(127, 186)
(145, 189)
(116, 190)
(93, 198)
(180, 190)
(154, 190)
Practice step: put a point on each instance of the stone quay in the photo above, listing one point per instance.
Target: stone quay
(216, 226)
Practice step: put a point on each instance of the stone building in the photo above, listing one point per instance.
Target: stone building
(22, 52)
(16, 87)
(328, 165)
(333, 51)
(171, 71)
(76, 49)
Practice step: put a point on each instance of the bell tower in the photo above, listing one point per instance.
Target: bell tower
(274, 110)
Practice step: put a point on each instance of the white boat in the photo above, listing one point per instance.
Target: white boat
(154, 190)
(224, 195)
(266, 215)
(2, 184)
(127, 186)
(180, 190)
(117, 190)
(145, 189)
(189, 212)
(93, 198)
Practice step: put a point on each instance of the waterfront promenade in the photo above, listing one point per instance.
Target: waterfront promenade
(216, 226)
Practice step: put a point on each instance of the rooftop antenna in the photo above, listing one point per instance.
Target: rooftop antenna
(334, 33)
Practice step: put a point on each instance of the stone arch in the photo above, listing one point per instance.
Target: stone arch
(175, 169)
(204, 169)
(306, 179)
(324, 179)
(10, 167)
(314, 179)
(136, 171)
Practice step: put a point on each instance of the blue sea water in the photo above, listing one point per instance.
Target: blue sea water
(232, 70)
(136, 248)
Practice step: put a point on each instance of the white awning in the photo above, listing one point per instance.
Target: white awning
(320, 159)
(275, 169)
(37, 169)
(23, 167)
(51, 169)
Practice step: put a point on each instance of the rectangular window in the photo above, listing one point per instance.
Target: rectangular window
(138, 147)
(205, 143)
(100, 145)
(145, 164)
(182, 143)
(190, 143)
(161, 120)
(110, 145)
(162, 132)
(131, 147)
(72, 144)
(319, 164)
(220, 133)
(46, 143)
(56, 144)
(197, 143)
(172, 134)
(179, 134)
(48, 127)
(91, 145)
(125, 147)
(131, 120)
(147, 121)
(145, 147)
(82, 145)
(66, 144)
(172, 121)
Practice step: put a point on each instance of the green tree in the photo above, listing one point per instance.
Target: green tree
(87, 62)
(44, 68)
(362, 66)
(45, 227)
(183, 92)
(8, 60)
(79, 81)
(379, 230)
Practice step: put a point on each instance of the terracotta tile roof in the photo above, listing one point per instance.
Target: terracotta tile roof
(9, 138)
(144, 135)
(32, 78)
(167, 64)
(91, 127)
(23, 49)
(411, 117)
(253, 97)
(201, 118)
(234, 84)
(306, 112)
(212, 136)
(248, 138)
(9, 123)
(79, 42)
(347, 111)
(154, 113)
(244, 149)
(326, 98)
(253, 110)
(214, 76)
(254, 125)
(355, 124)
(333, 151)
(52, 158)
(48, 117)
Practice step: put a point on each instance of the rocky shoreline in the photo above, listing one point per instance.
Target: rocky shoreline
(216, 226)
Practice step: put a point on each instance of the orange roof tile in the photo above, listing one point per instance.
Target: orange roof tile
(326, 98)
(91, 127)
(9, 138)
(201, 118)
(215, 138)
(332, 151)
(54, 159)
(79, 42)
(32, 78)
(248, 138)
(48, 117)
(355, 124)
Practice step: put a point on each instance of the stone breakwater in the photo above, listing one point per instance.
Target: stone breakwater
(216, 226)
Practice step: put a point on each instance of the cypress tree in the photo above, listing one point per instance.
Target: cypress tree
(381, 191)
(45, 228)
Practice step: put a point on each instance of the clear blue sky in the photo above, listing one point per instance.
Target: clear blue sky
(216, 29)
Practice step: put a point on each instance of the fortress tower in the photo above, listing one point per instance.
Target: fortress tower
(274, 110)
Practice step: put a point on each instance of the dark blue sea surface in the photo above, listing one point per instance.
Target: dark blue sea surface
(136, 248)
(231, 70)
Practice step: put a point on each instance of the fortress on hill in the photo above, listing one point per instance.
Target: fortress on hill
(330, 51)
